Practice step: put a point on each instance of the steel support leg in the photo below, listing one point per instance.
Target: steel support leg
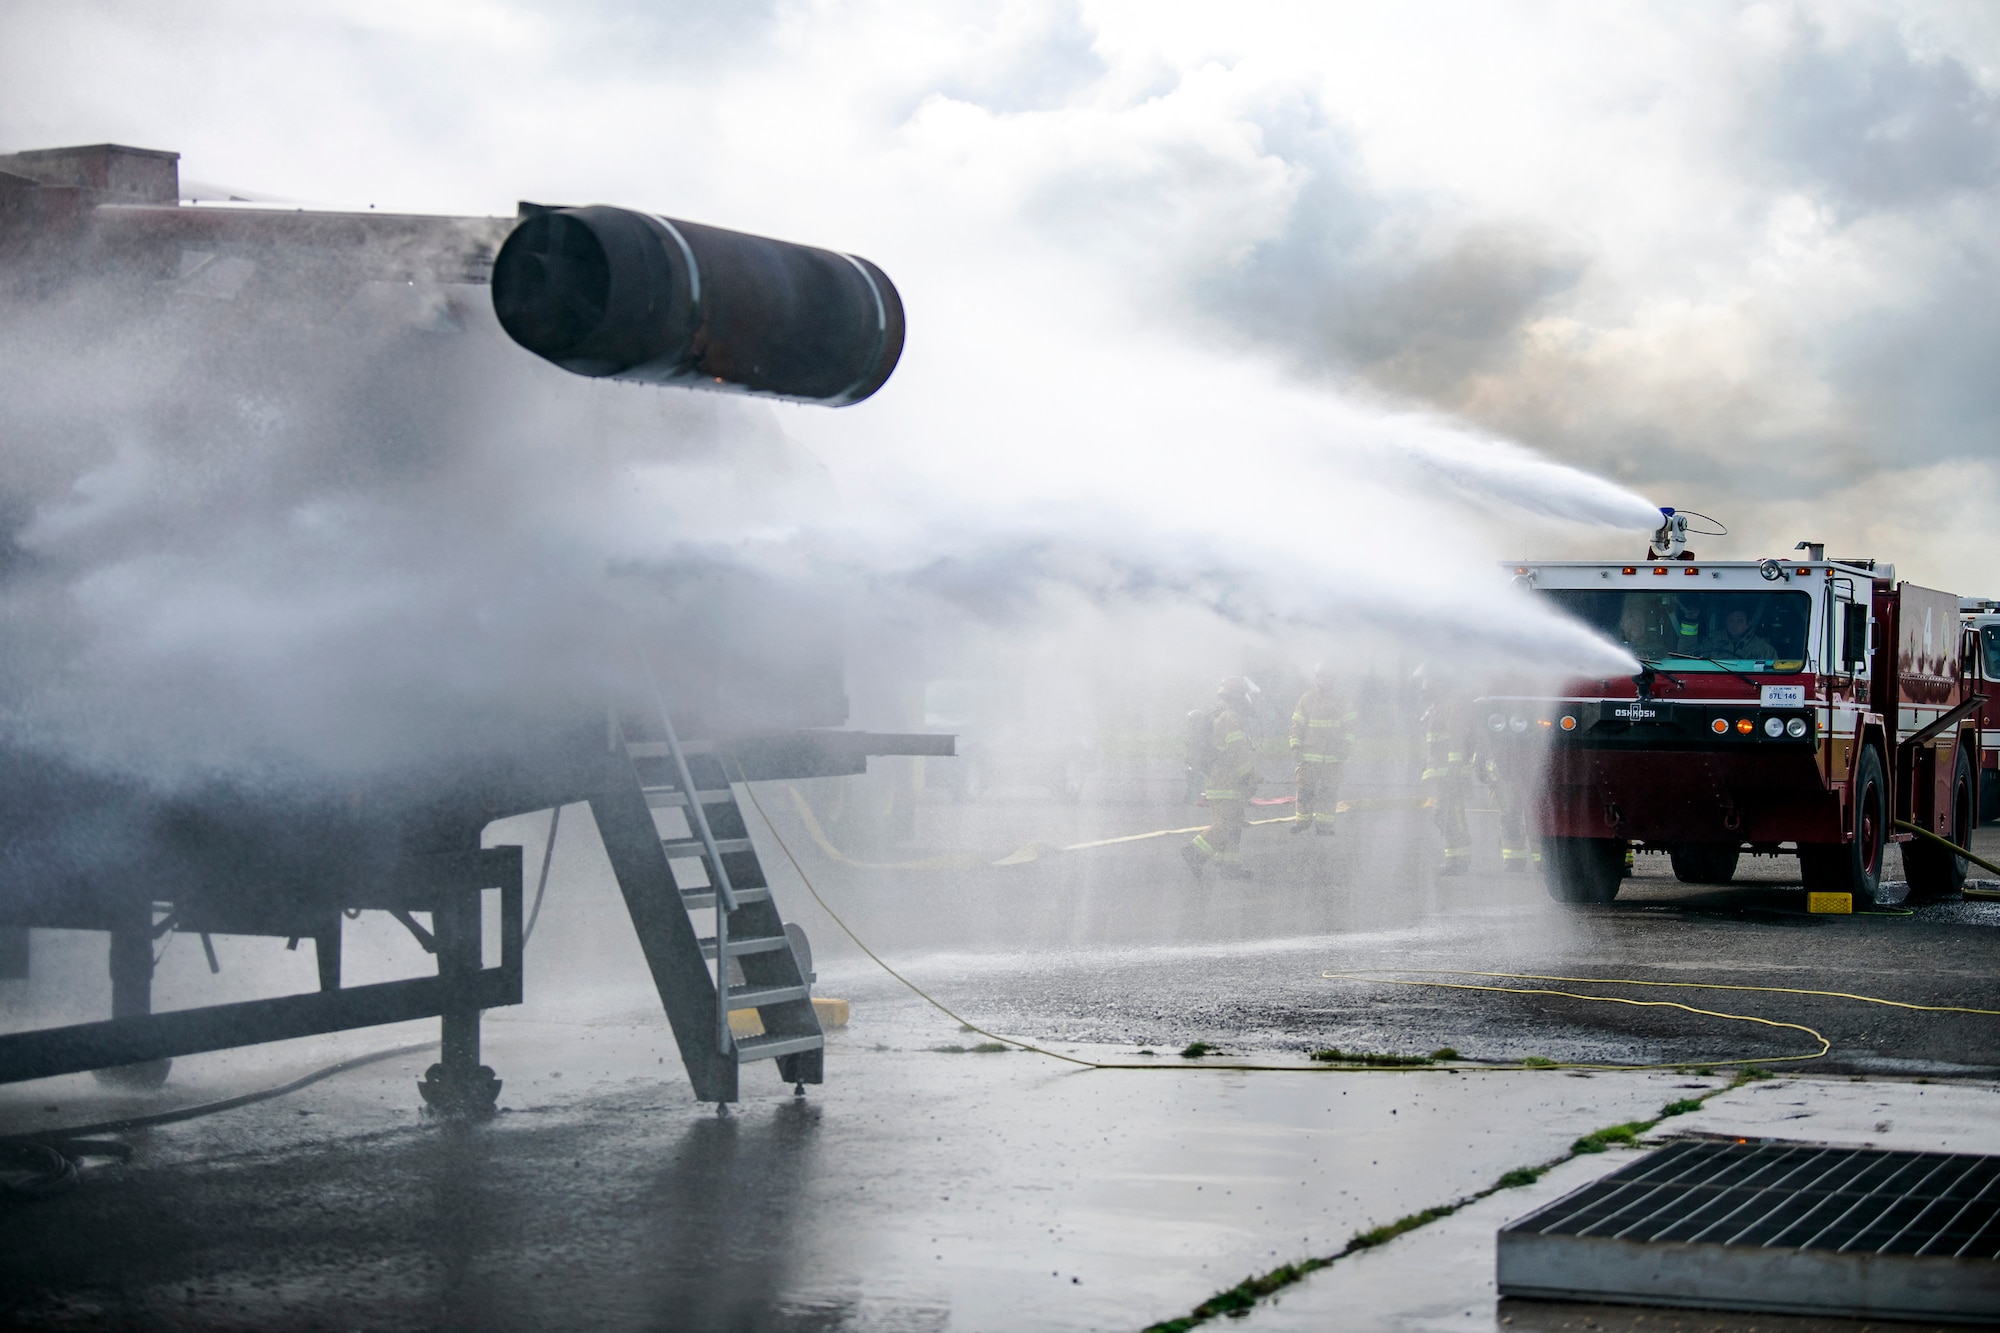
(326, 949)
(458, 1085)
(131, 973)
(132, 995)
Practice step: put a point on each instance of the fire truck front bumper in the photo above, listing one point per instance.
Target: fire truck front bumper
(1757, 795)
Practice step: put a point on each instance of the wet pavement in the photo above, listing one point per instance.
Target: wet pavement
(930, 1186)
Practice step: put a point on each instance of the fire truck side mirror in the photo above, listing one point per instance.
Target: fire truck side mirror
(1853, 636)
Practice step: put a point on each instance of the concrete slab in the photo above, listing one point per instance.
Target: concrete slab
(1442, 1276)
(922, 1189)
(925, 1190)
(1872, 1113)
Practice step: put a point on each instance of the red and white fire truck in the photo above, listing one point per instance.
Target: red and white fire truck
(1982, 620)
(1806, 705)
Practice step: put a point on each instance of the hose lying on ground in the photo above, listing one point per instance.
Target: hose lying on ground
(1979, 861)
(44, 1162)
(1825, 1045)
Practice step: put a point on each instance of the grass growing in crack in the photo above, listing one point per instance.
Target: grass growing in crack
(1537, 1062)
(1195, 1050)
(1444, 1053)
(1334, 1056)
(1600, 1139)
(1240, 1299)
(1369, 1239)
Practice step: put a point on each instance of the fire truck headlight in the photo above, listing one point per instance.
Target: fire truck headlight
(1497, 722)
(1517, 724)
(1796, 728)
(1774, 727)
(1568, 723)
(1771, 570)
(1744, 726)
(1720, 726)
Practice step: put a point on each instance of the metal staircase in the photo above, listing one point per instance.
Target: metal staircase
(746, 961)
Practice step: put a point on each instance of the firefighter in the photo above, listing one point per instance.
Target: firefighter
(1643, 626)
(1199, 753)
(1449, 755)
(1232, 781)
(1737, 640)
(1510, 767)
(1321, 736)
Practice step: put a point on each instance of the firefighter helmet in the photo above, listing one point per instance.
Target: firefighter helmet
(1238, 687)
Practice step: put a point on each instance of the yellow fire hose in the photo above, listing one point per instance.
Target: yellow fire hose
(1407, 978)
(1979, 861)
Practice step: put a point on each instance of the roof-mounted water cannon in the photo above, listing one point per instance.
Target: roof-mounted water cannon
(1670, 539)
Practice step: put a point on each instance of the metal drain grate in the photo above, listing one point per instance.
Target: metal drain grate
(1850, 1231)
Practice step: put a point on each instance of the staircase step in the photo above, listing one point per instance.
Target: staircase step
(662, 798)
(683, 847)
(737, 948)
(703, 899)
(752, 997)
(770, 1048)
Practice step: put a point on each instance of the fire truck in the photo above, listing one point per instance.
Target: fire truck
(1982, 622)
(1805, 704)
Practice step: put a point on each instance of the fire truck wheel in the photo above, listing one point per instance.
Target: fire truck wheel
(1583, 870)
(1853, 867)
(1932, 871)
(1704, 862)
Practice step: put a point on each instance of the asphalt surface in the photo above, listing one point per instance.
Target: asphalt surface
(928, 1186)
(1120, 944)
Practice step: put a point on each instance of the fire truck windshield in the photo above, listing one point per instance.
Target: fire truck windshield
(1731, 630)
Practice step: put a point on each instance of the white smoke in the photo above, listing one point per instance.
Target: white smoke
(330, 544)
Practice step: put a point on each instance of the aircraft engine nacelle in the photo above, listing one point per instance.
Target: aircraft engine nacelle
(614, 293)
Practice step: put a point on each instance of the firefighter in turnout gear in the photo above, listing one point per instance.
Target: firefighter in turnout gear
(1200, 747)
(1322, 734)
(1510, 766)
(1232, 781)
(1449, 755)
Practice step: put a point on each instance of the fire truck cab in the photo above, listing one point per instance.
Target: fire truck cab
(1982, 625)
(1801, 705)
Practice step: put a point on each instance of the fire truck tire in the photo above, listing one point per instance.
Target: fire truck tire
(1582, 871)
(1853, 867)
(1704, 862)
(1932, 871)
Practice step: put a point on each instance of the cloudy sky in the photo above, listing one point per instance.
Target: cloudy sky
(1739, 258)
